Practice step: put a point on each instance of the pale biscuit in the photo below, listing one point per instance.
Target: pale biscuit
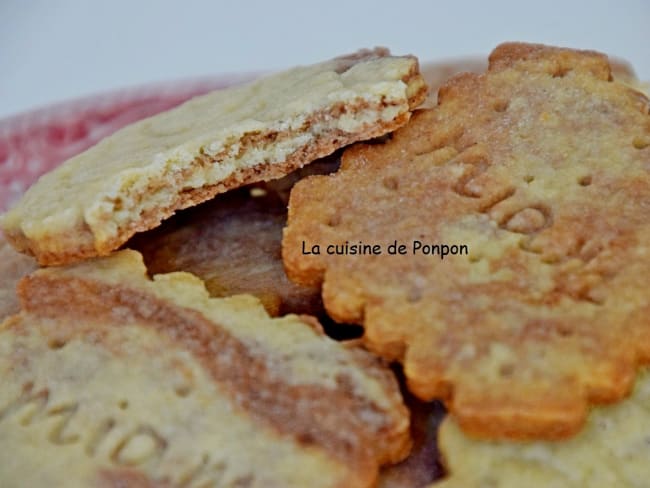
(112, 379)
(140, 175)
(612, 450)
(538, 173)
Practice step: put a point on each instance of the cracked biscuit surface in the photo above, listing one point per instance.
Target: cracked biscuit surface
(112, 379)
(142, 174)
(541, 167)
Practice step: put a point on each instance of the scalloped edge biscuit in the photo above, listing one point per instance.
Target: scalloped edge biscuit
(272, 402)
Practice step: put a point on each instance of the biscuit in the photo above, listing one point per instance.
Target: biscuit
(13, 266)
(535, 176)
(233, 243)
(112, 379)
(611, 450)
(143, 173)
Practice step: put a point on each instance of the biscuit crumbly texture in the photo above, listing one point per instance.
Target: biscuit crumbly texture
(140, 175)
(112, 379)
(611, 450)
(541, 167)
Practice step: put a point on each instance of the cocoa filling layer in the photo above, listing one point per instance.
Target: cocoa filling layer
(322, 145)
(312, 415)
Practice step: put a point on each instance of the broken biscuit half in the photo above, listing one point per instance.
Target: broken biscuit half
(142, 174)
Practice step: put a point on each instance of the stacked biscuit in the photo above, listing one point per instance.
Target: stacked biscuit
(199, 352)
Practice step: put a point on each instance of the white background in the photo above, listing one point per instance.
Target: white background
(55, 50)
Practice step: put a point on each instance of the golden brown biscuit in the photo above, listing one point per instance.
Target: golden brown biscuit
(112, 379)
(611, 450)
(522, 202)
(143, 173)
(233, 243)
(13, 266)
